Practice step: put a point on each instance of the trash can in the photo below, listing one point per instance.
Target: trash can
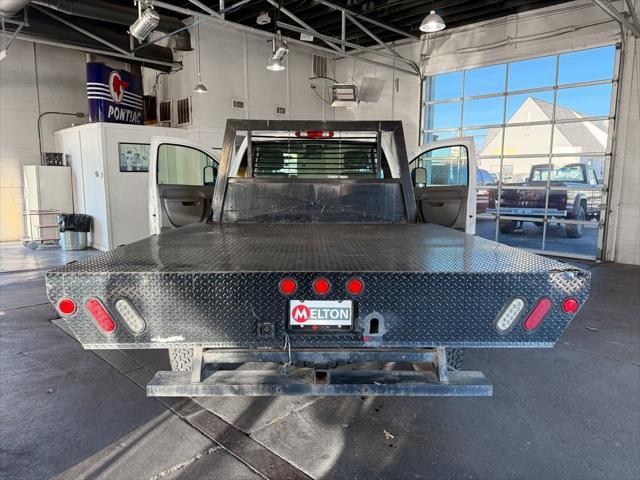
(73, 230)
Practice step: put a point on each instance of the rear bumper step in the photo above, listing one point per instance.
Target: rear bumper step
(258, 383)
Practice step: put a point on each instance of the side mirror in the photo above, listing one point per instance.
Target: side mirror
(209, 174)
(419, 176)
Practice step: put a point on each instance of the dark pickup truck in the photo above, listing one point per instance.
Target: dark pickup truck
(575, 193)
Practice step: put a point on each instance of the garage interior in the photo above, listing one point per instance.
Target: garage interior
(547, 93)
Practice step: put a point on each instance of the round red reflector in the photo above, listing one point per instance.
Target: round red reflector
(288, 286)
(66, 306)
(355, 286)
(321, 286)
(570, 305)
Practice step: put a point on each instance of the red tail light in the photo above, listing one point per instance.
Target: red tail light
(288, 286)
(100, 315)
(321, 286)
(537, 315)
(570, 305)
(66, 306)
(355, 286)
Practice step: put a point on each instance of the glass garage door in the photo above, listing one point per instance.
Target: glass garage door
(542, 131)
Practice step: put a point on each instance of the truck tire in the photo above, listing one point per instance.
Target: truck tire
(573, 230)
(181, 359)
(507, 226)
(455, 358)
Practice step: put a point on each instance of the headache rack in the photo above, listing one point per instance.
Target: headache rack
(325, 158)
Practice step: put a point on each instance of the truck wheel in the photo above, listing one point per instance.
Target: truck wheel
(573, 230)
(455, 358)
(181, 359)
(507, 226)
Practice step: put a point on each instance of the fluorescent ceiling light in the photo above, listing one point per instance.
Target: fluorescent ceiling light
(432, 23)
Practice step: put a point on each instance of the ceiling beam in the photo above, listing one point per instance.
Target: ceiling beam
(372, 51)
(634, 14)
(368, 19)
(106, 53)
(80, 29)
(255, 31)
(617, 16)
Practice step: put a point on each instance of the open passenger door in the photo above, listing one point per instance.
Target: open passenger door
(182, 178)
(444, 181)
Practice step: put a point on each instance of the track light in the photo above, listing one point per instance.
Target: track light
(279, 55)
(146, 23)
(432, 23)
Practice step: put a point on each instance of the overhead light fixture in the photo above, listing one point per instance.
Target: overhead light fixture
(279, 55)
(3, 54)
(432, 23)
(263, 19)
(146, 23)
(199, 88)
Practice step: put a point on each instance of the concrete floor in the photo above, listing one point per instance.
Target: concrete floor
(570, 412)
(531, 237)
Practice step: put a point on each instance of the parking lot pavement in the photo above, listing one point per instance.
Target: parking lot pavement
(531, 237)
(569, 412)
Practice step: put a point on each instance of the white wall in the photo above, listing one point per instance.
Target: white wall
(233, 67)
(400, 99)
(623, 238)
(59, 85)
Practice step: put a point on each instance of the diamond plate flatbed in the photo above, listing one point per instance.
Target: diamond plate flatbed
(213, 285)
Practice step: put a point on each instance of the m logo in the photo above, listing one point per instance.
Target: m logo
(300, 313)
(117, 86)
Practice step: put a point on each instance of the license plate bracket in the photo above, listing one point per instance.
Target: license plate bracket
(320, 316)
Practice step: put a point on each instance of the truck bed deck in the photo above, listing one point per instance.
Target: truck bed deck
(221, 248)
(217, 286)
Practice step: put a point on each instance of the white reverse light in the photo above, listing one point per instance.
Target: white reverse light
(131, 317)
(509, 315)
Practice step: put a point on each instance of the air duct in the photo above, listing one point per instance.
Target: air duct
(41, 27)
(118, 14)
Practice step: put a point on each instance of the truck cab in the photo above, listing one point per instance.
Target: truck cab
(183, 173)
